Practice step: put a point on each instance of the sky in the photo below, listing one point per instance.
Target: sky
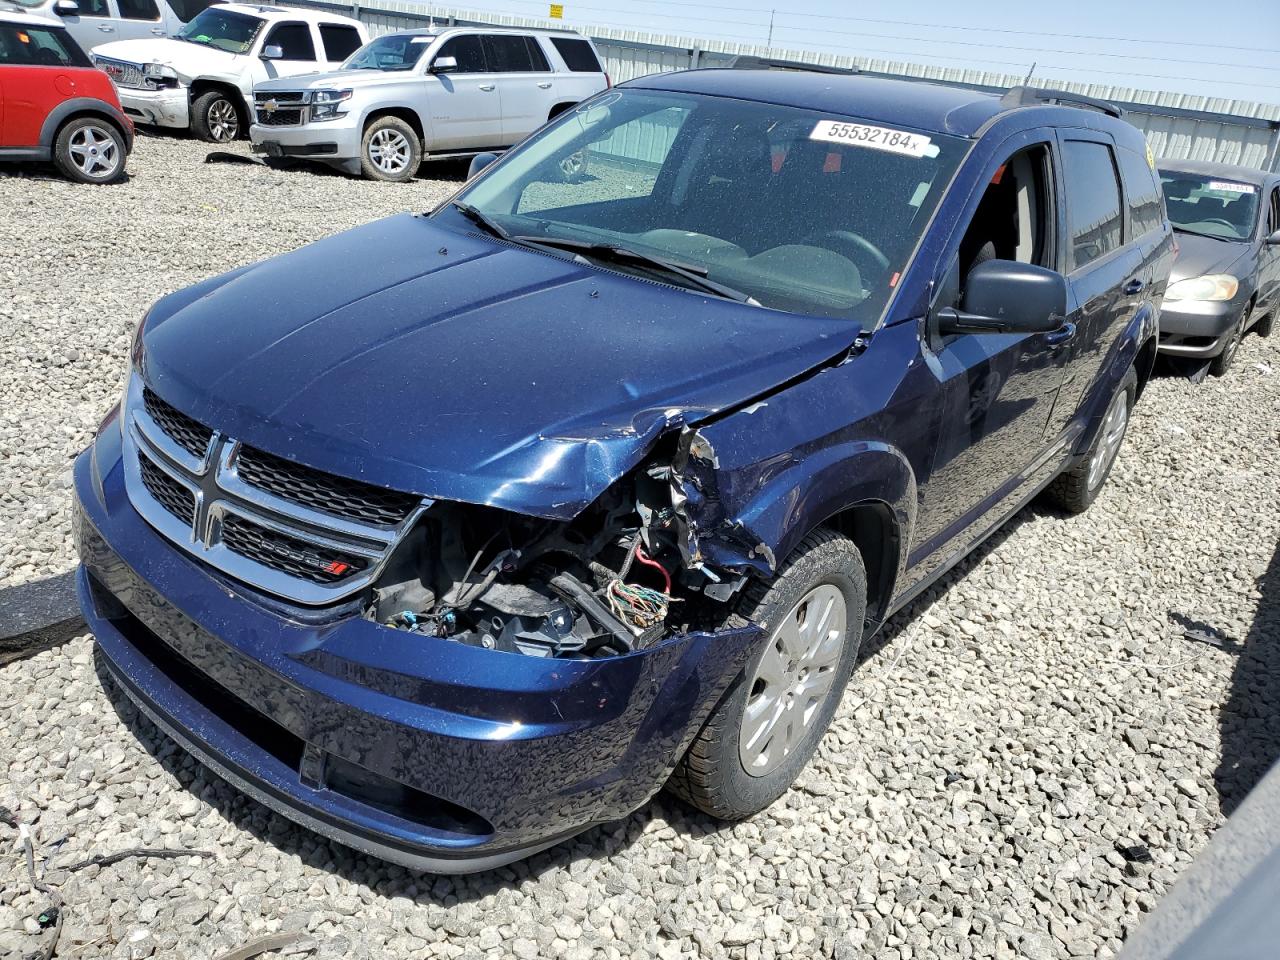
(1228, 48)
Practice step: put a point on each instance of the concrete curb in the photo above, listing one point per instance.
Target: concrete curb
(36, 616)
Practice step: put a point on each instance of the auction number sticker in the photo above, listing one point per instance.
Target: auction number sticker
(877, 138)
(1228, 186)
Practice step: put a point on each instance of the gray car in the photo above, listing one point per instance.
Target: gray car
(423, 94)
(1226, 279)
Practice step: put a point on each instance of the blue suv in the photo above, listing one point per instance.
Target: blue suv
(454, 534)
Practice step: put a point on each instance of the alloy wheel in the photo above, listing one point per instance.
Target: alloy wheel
(94, 152)
(389, 151)
(224, 122)
(792, 679)
(1109, 441)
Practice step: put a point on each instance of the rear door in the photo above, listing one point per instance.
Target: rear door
(96, 22)
(525, 83)
(1104, 273)
(139, 19)
(466, 109)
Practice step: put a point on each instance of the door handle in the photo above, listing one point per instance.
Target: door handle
(158, 31)
(486, 87)
(1135, 285)
(106, 28)
(1061, 336)
(544, 85)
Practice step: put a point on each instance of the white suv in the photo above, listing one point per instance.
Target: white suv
(95, 22)
(422, 94)
(203, 77)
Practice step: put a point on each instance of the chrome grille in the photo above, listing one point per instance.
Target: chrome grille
(284, 109)
(339, 496)
(302, 534)
(280, 118)
(124, 74)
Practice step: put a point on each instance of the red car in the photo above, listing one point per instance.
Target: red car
(55, 106)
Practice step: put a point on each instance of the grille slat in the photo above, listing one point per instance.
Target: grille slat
(172, 495)
(187, 433)
(339, 496)
(288, 554)
(124, 74)
(279, 118)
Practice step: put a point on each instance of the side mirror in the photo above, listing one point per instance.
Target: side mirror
(272, 52)
(479, 162)
(444, 64)
(66, 8)
(1003, 296)
(1273, 239)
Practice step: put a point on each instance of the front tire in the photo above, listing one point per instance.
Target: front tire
(390, 151)
(761, 735)
(1220, 364)
(90, 150)
(1075, 490)
(215, 117)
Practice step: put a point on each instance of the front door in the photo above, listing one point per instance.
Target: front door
(298, 48)
(466, 108)
(1269, 256)
(35, 61)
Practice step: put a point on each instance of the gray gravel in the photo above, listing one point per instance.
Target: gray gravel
(1011, 730)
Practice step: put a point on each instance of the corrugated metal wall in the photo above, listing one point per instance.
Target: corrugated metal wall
(1177, 125)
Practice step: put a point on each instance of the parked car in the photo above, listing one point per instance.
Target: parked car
(453, 534)
(203, 78)
(95, 22)
(426, 93)
(55, 106)
(1226, 278)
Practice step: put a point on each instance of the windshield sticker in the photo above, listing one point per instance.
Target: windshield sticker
(421, 39)
(877, 138)
(1226, 186)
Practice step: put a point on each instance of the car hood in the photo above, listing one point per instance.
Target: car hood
(334, 78)
(188, 59)
(443, 363)
(1198, 256)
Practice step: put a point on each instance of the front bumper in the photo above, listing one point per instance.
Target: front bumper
(1197, 328)
(330, 140)
(168, 107)
(421, 751)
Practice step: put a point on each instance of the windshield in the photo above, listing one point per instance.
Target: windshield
(393, 52)
(1210, 206)
(797, 210)
(223, 29)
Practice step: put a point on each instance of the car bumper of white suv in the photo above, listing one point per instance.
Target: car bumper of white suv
(167, 107)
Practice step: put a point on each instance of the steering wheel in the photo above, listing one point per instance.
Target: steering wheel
(854, 246)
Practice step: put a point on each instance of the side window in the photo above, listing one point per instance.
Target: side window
(577, 55)
(1093, 200)
(536, 56)
(339, 42)
(506, 53)
(467, 50)
(1015, 217)
(95, 8)
(294, 40)
(186, 10)
(138, 9)
(1273, 214)
(1146, 212)
(31, 46)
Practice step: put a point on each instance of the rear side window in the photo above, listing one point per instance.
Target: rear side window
(508, 54)
(536, 56)
(339, 42)
(294, 40)
(95, 8)
(577, 55)
(1093, 200)
(138, 9)
(187, 10)
(1146, 209)
(468, 52)
(30, 46)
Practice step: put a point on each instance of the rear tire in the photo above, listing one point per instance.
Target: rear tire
(390, 151)
(90, 150)
(765, 729)
(216, 117)
(1074, 490)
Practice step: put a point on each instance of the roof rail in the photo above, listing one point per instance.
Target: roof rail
(1030, 96)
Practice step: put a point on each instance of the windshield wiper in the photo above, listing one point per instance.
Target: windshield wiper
(483, 221)
(1199, 233)
(691, 275)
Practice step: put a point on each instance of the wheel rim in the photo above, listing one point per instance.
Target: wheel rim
(573, 165)
(1229, 351)
(224, 122)
(1113, 427)
(94, 152)
(792, 680)
(389, 151)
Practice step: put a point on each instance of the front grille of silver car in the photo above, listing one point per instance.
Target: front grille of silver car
(123, 73)
(287, 529)
(284, 109)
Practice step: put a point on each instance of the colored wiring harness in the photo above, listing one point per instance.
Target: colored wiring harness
(641, 607)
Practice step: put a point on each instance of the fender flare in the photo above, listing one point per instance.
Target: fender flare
(67, 108)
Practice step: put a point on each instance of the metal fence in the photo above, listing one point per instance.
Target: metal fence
(1182, 126)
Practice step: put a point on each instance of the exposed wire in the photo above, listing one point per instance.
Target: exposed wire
(648, 561)
(636, 605)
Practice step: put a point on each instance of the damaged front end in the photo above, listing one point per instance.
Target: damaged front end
(626, 573)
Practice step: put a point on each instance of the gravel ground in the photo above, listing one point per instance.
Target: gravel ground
(1008, 732)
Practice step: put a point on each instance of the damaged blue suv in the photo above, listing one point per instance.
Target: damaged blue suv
(454, 534)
